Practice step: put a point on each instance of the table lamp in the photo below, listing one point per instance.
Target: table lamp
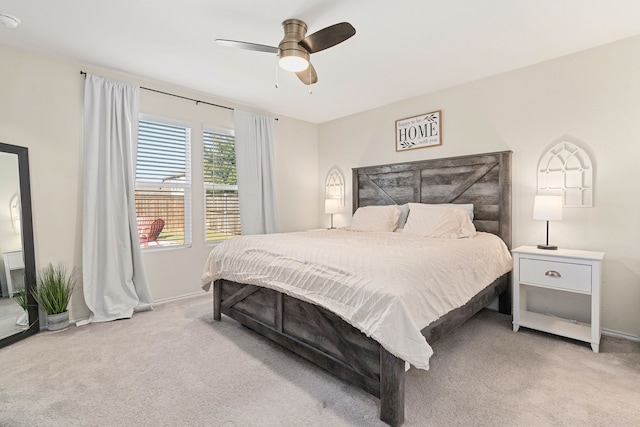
(547, 208)
(332, 206)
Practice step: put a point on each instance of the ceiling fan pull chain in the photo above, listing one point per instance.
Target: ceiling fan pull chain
(310, 92)
(277, 71)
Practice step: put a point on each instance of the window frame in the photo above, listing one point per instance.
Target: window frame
(187, 186)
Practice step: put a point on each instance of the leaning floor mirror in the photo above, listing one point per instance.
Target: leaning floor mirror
(18, 309)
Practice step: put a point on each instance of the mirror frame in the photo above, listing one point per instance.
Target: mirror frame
(28, 247)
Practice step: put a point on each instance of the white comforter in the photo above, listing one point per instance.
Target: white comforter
(388, 285)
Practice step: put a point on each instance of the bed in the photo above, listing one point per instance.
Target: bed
(363, 352)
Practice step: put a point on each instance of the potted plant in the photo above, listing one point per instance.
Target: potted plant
(20, 297)
(53, 292)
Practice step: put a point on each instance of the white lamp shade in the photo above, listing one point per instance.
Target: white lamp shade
(547, 208)
(16, 225)
(332, 206)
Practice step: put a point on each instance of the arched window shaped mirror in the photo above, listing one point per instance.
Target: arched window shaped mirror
(18, 309)
(14, 208)
(566, 170)
(334, 186)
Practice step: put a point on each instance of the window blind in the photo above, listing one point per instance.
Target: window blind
(222, 208)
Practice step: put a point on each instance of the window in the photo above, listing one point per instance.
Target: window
(163, 184)
(222, 209)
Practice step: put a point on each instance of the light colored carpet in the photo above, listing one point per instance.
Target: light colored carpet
(174, 366)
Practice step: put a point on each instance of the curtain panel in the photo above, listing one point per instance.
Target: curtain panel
(114, 281)
(254, 164)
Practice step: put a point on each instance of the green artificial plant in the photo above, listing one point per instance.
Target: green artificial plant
(54, 288)
(20, 296)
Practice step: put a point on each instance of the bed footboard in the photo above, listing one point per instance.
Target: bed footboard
(320, 337)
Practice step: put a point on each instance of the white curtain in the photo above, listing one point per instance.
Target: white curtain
(254, 164)
(114, 280)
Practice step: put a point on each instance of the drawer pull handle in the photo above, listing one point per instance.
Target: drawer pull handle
(552, 273)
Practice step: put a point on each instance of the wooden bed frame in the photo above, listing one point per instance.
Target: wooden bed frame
(322, 337)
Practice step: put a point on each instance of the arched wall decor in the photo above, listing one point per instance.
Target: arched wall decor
(14, 207)
(566, 170)
(334, 185)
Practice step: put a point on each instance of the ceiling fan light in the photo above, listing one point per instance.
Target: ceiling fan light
(293, 63)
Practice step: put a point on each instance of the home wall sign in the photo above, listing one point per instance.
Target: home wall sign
(420, 131)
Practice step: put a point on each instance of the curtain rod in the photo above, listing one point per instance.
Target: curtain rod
(197, 101)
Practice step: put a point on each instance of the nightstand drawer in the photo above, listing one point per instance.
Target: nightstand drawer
(554, 274)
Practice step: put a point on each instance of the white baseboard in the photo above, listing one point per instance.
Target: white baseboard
(622, 335)
(181, 297)
(158, 302)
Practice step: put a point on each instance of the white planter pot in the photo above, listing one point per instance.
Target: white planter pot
(57, 322)
(22, 319)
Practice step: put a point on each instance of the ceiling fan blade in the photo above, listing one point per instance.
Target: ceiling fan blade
(328, 37)
(247, 46)
(308, 76)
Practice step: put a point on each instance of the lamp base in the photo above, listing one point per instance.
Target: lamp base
(548, 247)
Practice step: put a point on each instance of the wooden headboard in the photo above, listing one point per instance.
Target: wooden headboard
(481, 179)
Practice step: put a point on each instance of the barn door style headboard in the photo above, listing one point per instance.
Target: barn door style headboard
(481, 179)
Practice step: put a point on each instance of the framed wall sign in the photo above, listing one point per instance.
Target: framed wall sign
(420, 131)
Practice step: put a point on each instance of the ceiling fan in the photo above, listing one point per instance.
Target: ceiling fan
(294, 49)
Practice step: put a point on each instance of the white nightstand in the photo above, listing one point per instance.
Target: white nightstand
(566, 270)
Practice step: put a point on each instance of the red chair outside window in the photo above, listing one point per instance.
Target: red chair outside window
(151, 233)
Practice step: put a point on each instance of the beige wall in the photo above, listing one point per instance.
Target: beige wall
(591, 99)
(41, 108)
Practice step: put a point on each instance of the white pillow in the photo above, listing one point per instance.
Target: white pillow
(444, 221)
(466, 206)
(404, 213)
(375, 218)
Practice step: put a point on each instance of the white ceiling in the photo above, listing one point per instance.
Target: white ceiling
(401, 49)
